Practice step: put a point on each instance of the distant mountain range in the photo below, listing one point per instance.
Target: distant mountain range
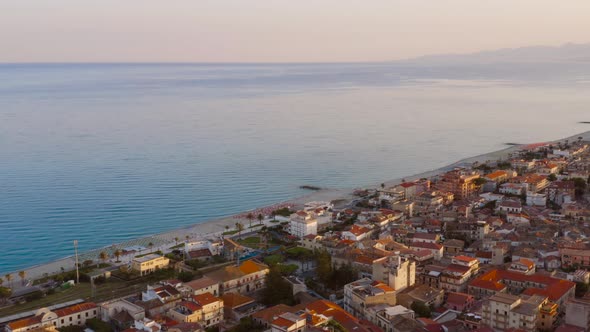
(570, 53)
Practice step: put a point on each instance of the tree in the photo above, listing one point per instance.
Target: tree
(552, 177)
(239, 228)
(1, 282)
(259, 217)
(117, 254)
(8, 278)
(150, 245)
(383, 186)
(226, 228)
(22, 275)
(421, 309)
(5, 293)
(176, 241)
(87, 263)
(580, 186)
(103, 256)
(277, 290)
(324, 266)
(250, 217)
(185, 276)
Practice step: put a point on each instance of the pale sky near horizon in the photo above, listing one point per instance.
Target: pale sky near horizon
(279, 30)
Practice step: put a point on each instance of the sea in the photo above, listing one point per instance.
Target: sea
(103, 153)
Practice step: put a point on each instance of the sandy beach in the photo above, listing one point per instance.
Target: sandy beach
(215, 228)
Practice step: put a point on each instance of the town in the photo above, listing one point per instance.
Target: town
(497, 246)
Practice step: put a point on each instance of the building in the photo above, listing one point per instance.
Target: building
(121, 313)
(356, 233)
(577, 313)
(575, 255)
(386, 316)
(425, 294)
(453, 247)
(203, 285)
(435, 248)
(397, 272)
(237, 306)
(246, 278)
(75, 315)
(459, 182)
(362, 293)
(456, 276)
(149, 263)
(523, 265)
(503, 281)
(211, 308)
(302, 223)
(510, 205)
(288, 322)
(560, 192)
(506, 311)
(516, 189)
(459, 301)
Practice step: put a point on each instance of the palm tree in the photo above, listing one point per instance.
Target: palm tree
(259, 217)
(103, 256)
(239, 228)
(8, 278)
(176, 240)
(250, 216)
(383, 186)
(22, 275)
(150, 245)
(187, 237)
(117, 254)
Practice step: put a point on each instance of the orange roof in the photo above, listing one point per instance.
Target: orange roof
(25, 322)
(356, 230)
(205, 298)
(232, 300)
(496, 174)
(250, 266)
(282, 322)
(190, 305)
(464, 258)
(529, 263)
(75, 309)
(383, 286)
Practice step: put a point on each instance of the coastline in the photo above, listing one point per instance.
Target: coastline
(215, 227)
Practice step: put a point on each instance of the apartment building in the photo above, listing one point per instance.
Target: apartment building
(397, 272)
(455, 276)
(149, 263)
(360, 294)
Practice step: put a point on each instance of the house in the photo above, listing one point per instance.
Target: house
(459, 301)
(535, 199)
(560, 192)
(426, 237)
(453, 247)
(435, 248)
(246, 278)
(387, 317)
(506, 311)
(516, 189)
(75, 315)
(523, 265)
(121, 313)
(288, 322)
(356, 233)
(423, 293)
(456, 275)
(211, 308)
(203, 285)
(237, 306)
(149, 263)
(510, 205)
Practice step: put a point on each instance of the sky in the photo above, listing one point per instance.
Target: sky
(279, 30)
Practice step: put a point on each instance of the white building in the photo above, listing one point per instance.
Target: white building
(302, 223)
(534, 199)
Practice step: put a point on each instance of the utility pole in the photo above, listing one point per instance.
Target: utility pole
(77, 271)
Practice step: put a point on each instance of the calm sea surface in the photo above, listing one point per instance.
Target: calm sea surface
(104, 153)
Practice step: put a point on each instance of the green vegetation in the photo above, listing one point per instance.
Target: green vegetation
(273, 259)
(552, 177)
(580, 185)
(479, 181)
(504, 165)
(277, 290)
(180, 245)
(247, 324)
(283, 212)
(333, 277)
(185, 276)
(98, 325)
(298, 253)
(73, 328)
(230, 232)
(421, 309)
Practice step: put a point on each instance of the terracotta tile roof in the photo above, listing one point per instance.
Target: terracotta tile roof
(268, 313)
(464, 258)
(75, 309)
(232, 300)
(496, 174)
(250, 266)
(200, 283)
(192, 306)
(283, 322)
(356, 230)
(458, 298)
(205, 298)
(426, 245)
(25, 322)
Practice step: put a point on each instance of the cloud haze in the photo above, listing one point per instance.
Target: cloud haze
(278, 30)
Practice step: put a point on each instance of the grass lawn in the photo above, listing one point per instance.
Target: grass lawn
(230, 232)
(257, 225)
(180, 245)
